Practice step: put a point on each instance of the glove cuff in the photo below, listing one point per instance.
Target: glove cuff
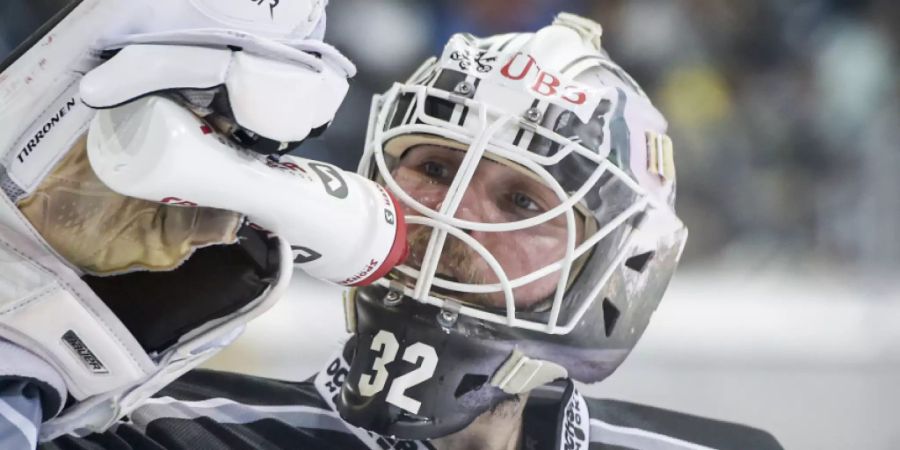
(18, 363)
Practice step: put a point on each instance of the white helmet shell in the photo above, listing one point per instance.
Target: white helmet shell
(554, 105)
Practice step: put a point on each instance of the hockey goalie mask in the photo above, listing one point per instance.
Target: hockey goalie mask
(540, 187)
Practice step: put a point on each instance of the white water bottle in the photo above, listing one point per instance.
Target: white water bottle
(343, 228)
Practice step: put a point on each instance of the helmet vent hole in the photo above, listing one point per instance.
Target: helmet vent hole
(610, 316)
(639, 262)
(469, 383)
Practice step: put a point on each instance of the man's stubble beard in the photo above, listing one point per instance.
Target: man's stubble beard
(501, 426)
(458, 262)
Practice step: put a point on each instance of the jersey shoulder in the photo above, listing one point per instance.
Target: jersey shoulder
(205, 384)
(632, 425)
(218, 410)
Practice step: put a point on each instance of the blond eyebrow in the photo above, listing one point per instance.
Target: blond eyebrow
(505, 164)
(517, 169)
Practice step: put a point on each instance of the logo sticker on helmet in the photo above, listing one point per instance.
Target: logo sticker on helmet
(477, 60)
(522, 72)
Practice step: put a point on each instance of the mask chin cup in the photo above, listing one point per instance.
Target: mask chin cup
(278, 100)
(466, 374)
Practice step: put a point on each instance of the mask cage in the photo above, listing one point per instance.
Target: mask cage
(482, 143)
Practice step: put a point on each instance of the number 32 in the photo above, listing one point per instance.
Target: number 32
(421, 354)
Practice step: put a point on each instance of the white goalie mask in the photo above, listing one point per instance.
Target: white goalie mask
(553, 109)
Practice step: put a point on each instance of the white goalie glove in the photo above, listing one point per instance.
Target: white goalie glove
(258, 72)
(273, 81)
(263, 93)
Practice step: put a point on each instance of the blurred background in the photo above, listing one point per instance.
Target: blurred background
(785, 313)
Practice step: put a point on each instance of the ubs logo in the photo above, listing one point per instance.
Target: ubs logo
(524, 68)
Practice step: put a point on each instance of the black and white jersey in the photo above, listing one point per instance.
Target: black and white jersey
(219, 410)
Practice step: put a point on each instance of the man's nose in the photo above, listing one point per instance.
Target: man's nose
(476, 205)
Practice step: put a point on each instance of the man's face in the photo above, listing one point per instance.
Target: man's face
(497, 193)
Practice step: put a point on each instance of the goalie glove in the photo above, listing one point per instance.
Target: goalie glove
(50, 310)
(276, 86)
(264, 88)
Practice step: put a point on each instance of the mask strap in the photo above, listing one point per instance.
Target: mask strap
(521, 374)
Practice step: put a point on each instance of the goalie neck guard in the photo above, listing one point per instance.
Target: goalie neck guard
(552, 104)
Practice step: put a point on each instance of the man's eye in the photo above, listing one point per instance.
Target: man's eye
(435, 170)
(525, 202)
